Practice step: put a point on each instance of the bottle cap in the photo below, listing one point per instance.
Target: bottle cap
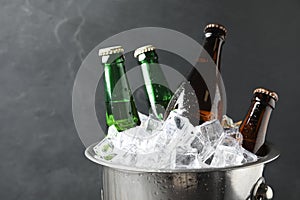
(267, 92)
(110, 50)
(215, 26)
(143, 50)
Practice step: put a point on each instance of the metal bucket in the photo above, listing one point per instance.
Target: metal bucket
(234, 183)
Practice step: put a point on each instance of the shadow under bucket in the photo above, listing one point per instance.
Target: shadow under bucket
(244, 182)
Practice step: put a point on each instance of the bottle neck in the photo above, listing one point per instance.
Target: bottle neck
(264, 100)
(148, 57)
(261, 107)
(254, 125)
(115, 80)
(213, 46)
(113, 60)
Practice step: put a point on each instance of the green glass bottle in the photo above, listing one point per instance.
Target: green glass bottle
(156, 85)
(120, 106)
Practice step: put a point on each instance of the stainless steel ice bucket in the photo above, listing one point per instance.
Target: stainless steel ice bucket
(235, 183)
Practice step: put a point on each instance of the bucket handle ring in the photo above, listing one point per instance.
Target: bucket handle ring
(261, 191)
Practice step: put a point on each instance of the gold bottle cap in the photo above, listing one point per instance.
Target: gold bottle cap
(213, 25)
(143, 50)
(267, 92)
(110, 50)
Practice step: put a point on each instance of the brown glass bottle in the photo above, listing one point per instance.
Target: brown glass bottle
(214, 38)
(254, 125)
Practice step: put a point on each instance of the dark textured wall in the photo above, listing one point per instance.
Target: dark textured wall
(42, 44)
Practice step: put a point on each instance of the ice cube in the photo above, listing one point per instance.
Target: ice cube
(105, 149)
(124, 158)
(112, 132)
(142, 117)
(131, 141)
(211, 133)
(186, 158)
(227, 122)
(248, 156)
(226, 156)
(174, 127)
(186, 103)
(230, 141)
(234, 133)
(110, 147)
(155, 160)
(105, 146)
(177, 130)
(152, 123)
(136, 140)
(212, 130)
(206, 154)
(198, 143)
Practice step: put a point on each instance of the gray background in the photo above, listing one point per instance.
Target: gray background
(42, 44)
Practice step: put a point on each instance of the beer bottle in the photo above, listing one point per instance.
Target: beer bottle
(214, 38)
(254, 125)
(120, 106)
(157, 88)
(210, 58)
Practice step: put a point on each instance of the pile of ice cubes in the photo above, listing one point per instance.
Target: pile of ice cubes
(175, 144)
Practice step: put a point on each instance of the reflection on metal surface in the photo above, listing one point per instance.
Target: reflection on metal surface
(235, 183)
(261, 191)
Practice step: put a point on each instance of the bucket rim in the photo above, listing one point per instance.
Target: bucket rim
(270, 154)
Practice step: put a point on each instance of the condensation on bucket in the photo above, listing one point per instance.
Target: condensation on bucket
(229, 183)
